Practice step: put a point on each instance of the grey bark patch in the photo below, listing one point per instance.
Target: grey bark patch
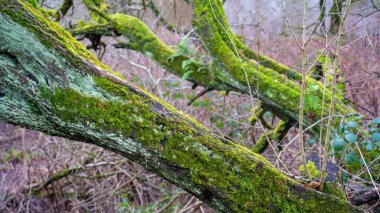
(160, 109)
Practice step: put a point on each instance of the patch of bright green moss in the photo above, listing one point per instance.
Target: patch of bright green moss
(34, 3)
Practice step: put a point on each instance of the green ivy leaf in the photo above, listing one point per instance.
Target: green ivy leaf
(344, 177)
(338, 144)
(351, 137)
(340, 128)
(352, 124)
(378, 144)
(311, 141)
(350, 158)
(369, 146)
(376, 137)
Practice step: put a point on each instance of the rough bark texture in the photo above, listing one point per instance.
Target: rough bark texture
(51, 83)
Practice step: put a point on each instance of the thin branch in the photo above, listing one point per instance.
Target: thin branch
(332, 102)
(203, 92)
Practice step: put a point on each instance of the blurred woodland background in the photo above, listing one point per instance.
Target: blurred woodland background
(40, 173)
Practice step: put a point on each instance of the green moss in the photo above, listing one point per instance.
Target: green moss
(257, 112)
(34, 3)
(133, 117)
(142, 38)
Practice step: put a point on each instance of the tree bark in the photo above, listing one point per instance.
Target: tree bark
(49, 82)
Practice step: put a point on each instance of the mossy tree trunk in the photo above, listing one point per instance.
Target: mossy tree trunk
(51, 83)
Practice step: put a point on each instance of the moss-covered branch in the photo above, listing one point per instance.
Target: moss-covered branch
(230, 55)
(142, 39)
(274, 89)
(276, 134)
(62, 10)
(51, 83)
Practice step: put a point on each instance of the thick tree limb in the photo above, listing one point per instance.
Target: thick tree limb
(229, 56)
(51, 83)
